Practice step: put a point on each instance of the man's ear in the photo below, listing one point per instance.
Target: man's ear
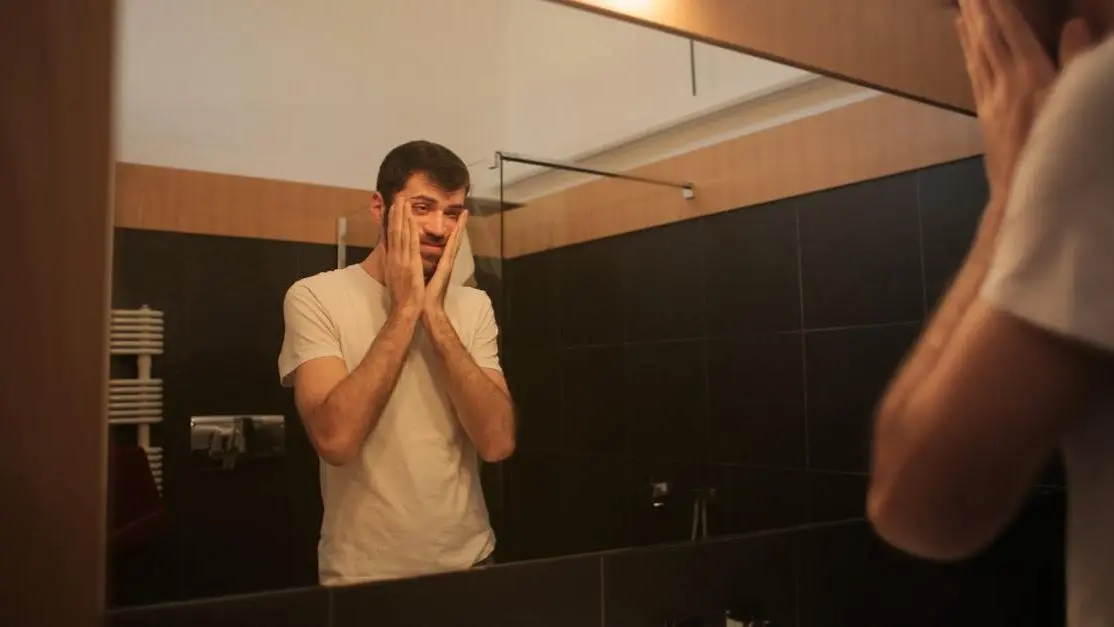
(379, 214)
(378, 206)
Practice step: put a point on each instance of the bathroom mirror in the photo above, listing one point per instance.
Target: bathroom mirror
(690, 254)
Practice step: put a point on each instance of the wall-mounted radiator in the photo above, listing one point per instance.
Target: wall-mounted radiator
(138, 402)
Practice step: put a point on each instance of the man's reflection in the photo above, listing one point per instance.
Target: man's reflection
(396, 376)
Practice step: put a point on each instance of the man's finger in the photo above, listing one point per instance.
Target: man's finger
(458, 233)
(986, 35)
(452, 247)
(414, 245)
(1015, 30)
(973, 72)
(394, 225)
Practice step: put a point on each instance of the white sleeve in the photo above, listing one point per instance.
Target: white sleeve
(310, 332)
(485, 341)
(1054, 266)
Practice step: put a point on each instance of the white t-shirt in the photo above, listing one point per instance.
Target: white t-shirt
(1054, 267)
(411, 504)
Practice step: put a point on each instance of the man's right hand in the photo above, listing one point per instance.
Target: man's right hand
(1011, 76)
(403, 271)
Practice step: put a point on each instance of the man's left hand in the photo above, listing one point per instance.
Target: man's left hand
(439, 284)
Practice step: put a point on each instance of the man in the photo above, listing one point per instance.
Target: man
(1016, 363)
(396, 377)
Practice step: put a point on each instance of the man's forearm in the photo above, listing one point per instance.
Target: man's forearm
(894, 435)
(485, 410)
(964, 290)
(353, 408)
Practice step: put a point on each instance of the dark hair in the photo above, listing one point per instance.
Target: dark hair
(419, 157)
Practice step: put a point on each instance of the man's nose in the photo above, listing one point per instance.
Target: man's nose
(435, 225)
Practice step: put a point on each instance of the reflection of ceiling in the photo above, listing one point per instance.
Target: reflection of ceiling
(318, 92)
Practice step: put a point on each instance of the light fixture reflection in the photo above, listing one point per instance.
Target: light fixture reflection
(628, 6)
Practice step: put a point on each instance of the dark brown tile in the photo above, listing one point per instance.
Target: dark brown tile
(860, 254)
(534, 378)
(647, 587)
(666, 400)
(951, 198)
(591, 300)
(592, 406)
(847, 373)
(292, 608)
(542, 489)
(550, 593)
(530, 293)
(836, 496)
(752, 270)
(755, 499)
(756, 401)
(663, 275)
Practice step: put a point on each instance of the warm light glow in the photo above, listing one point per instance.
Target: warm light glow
(628, 6)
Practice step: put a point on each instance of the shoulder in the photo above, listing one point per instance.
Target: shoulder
(320, 285)
(471, 307)
(1082, 103)
(470, 300)
(318, 294)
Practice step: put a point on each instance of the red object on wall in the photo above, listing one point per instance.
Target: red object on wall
(138, 514)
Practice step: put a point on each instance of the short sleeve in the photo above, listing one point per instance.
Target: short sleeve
(1054, 265)
(485, 342)
(310, 332)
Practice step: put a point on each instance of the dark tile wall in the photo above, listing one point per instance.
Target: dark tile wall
(826, 575)
(738, 356)
(253, 528)
(256, 527)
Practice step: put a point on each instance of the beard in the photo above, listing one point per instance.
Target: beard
(429, 266)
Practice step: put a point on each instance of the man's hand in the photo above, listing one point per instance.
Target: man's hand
(1011, 76)
(435, 291)
(403, 271)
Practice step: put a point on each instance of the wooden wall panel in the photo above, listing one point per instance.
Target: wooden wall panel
(188, 201)
(906, 47)
(876, 137)
(55, 68)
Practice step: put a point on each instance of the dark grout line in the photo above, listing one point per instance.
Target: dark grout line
(728, 338)
(860, 327)
(804, 344)
(603, 594)
(920, 244)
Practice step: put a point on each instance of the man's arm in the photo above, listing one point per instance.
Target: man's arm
(340, 409)
(480, 395)
(1000, 377)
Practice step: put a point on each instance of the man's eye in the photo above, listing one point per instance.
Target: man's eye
(420, 207)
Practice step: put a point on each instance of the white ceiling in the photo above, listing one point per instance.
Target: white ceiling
(320, 91)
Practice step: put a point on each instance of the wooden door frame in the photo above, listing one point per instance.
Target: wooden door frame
(55, 149)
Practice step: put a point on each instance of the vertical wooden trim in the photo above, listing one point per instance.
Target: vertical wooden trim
(55, 124)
